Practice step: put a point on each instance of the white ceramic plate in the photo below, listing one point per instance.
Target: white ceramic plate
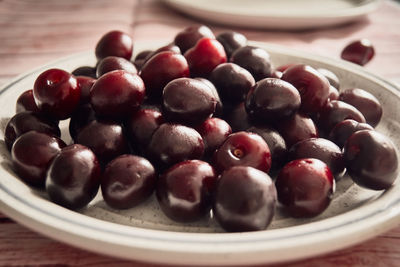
(276, 14)
(144, 233)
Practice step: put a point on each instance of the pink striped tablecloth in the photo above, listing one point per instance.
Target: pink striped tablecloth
(33, 33)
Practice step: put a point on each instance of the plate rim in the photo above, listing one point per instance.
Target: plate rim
(275, 20)
(389, 217)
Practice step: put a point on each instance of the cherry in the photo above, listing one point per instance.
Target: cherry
(127, 181)
(245, 199)
(32, 154)
(57, 93)
(173, 143)
(305, 187)
(214, 132)
(371, 159)
(333, 93)
(188, 38)
(359, 52)
(26, 102)
(205, 56)
(114, 43)
(284, 67)
(105, 139)
(116, 94)
(141, 58)
(254, 59)
(232, 82)
(297, 128)
(169, 47)
(322, 149)
(86, 71)
(332, 78)
(82, 116)
(73, 177)
(219, 108)
(276, 74)
(238, 118)
(231, 41)
(276, 145)
(312, 85)
(161, 69)
(185, 190)
(111, 63)
(86, 84)
(271, 100)
(141, 125)
(27, 121)
(187, 101)
(343, 130)
(365, 102)
(337, 111)
(243, 148)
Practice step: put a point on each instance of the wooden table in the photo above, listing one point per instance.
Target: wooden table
(36, 32)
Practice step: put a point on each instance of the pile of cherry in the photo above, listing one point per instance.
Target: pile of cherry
(204, 122)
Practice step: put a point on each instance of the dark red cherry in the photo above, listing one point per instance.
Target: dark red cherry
(271, 100)
(332, 78)
(57, 93)
(161, 69)
(337, 111)
(214, 132)
(276, 144)
(27, 121)
(231, 41)
(141, 125)
(276, 74)
(185, 190)
(305, 187)
(343, 130)
(127, 181)
(322, 149)
(254, 59)
(173, 143)
(245, 199)
(86, 71)
(232, 82)
(284, 67)
(359, 52)
(297, 128)
(111, 63)
(237, 118)
(117, 94)
(333, 93)
(365, 102)
(243, 149)
(187, 101)
(205, 56)
(82, 116)
(169, 47)
(312, 85)
(188, 37)
(141, 58)
(105, 139)
(73, 177)
(114, 43)
(371, 159)
(219, 108)
(26, 102)
(86, 84)
(32, 154)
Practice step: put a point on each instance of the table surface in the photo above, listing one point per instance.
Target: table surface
(33, 33)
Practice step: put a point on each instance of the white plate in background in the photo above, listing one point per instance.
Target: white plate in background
(276, 14)
(144, 233)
